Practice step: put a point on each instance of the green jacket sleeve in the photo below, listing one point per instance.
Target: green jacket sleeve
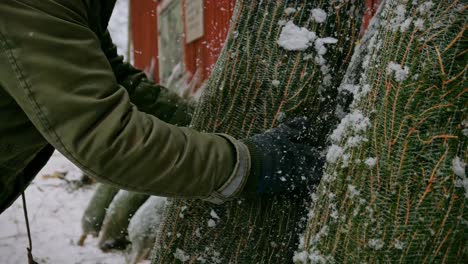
(145, 94)
(53, 66)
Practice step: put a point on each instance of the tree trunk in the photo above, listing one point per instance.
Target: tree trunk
(256, 84)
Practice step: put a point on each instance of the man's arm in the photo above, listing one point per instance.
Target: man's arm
(145, 94)
(53, 66)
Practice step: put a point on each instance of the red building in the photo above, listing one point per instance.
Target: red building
(168, 32)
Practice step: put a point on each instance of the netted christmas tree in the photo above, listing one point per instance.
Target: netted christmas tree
(95, 212)
(264, 76)
(395, 187)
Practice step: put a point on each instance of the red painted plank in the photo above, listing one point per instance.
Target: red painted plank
(144, 35)
(371, 8)
(201, 54)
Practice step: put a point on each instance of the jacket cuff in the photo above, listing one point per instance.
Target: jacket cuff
(256, 162)
(236, 182)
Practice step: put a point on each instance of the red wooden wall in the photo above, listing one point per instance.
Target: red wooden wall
(202, 53)
(144, 25)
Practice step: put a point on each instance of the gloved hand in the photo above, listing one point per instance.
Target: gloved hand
(283, 161)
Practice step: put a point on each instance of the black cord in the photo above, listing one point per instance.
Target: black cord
(25, 210)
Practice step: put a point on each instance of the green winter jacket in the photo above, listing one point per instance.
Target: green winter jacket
(63, 86)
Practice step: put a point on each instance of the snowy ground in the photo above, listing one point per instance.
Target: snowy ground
(55, 206)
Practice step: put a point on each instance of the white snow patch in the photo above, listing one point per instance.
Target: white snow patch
(324, 69)
(329, 40)
(353, 191)
(320, 45)
(465, 127)
(355, 141)
(399, 72)
(334, 214)
(317, 258)
(354, 121)
(281, 116)
(375, 244)
(323, 232)
(290, 10)
(370, 162)
(465, 122)
(327, 80)
(320, 60)
(361, 92)
(357, 91)
(211, 223)
(181, 255)
(406, 24)
(301, 257)
(282, 22)
(182, 210)
(419, 24)
(399, 244)
(459, 167)
(399, 18)
(214, 214)
(425, 7)
(319, 15)
(334, 153)
(295, 38)
(349, 87)
(201, 259)
(345, 160)
(308, 57)
(365, 89)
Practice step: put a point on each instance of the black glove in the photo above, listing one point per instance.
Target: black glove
(283, 161)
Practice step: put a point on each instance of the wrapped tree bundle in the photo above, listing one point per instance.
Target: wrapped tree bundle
(142, 228)
(114, 228)
(281, 59)
(95, 212)
(395, 188)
